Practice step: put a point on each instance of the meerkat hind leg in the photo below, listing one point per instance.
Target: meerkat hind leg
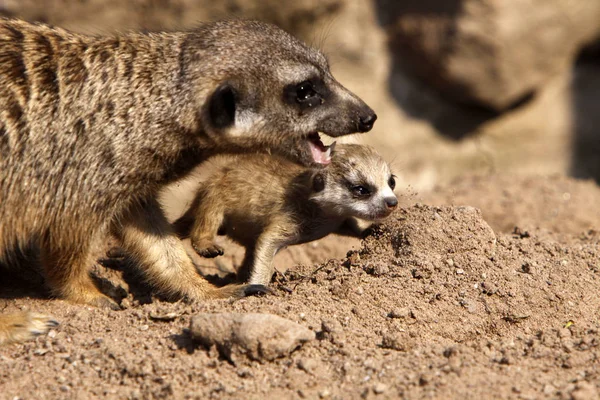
(67, 273)
(147, 236)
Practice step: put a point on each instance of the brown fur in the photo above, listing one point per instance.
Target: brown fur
(92, 127)
(23, 326)
(267, 203)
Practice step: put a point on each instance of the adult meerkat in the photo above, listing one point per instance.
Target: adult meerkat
(268, 203)
(91, 127)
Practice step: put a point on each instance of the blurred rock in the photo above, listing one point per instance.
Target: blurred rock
(489, 53)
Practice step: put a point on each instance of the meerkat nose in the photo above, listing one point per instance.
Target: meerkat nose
(391, 202)
(365, 123)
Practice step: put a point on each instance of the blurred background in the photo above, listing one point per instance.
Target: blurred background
(460, 86)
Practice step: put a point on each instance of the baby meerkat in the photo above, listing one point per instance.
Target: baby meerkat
(92, 127)
(268, 203)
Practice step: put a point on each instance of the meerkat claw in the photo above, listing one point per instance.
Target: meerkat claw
(256, 290)
(116, 252)
(210, 251)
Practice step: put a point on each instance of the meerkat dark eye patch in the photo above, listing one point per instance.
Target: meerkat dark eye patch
(360, 191)
(392, 182)
(221, 106)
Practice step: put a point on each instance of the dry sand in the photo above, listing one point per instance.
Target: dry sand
(440, 302)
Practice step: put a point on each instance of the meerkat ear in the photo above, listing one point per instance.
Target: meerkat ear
(318, 182)
(221, 106)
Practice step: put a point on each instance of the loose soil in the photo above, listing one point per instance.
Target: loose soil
(441, 301)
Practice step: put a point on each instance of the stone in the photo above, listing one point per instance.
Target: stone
(488, 53)
(260, 337)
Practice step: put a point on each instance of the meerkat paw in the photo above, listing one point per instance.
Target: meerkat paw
(207, 248)
(256, 290)
(24, 326)
(105, 302)
(95, 299)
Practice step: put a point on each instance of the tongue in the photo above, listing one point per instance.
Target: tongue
(320, 153)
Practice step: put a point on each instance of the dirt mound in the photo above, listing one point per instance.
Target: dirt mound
(434, 304)
(555, 203)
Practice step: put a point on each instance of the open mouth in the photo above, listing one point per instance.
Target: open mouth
(321, 154)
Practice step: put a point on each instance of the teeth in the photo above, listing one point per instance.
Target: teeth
(330, 151)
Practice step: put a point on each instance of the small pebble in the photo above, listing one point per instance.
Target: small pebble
(549, 389)
(330, 326)
(399, 313)
(307, 364)
(379, 388)
(170, 316)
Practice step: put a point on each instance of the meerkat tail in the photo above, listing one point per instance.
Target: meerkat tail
(23, 326)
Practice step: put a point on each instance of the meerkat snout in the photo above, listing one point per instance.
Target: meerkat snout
(391, 202)
(365, 123)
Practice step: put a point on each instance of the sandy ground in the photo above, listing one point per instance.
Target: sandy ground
(443, 301)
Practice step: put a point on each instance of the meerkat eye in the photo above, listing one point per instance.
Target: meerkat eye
(306, 94)
(305, 91)
(360, 191)
(392, 182)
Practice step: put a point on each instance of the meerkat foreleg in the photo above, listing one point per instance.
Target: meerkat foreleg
(201, 223)
(258, 262)
(245, 269)
(23, 326)
(148, 237)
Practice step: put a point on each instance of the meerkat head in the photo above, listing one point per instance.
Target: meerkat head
(358, 183)
(269, 92)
